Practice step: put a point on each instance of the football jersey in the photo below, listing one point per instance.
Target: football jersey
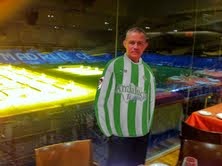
(125, 98)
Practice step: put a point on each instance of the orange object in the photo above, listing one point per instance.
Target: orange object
(189, 34)
(208, 123)
(75, 153)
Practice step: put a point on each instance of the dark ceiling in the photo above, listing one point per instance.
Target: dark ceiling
(186, 26)
(172, 25)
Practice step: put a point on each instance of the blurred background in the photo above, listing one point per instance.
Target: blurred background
(53, 52)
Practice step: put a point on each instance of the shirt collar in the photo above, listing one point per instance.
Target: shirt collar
(127, 58)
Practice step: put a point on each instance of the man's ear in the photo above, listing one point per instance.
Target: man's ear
(147, 45)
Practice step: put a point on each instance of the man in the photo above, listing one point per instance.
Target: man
(124, 103)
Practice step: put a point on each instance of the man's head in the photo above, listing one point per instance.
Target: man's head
(135, 43)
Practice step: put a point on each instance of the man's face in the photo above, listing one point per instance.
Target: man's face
(135, 43)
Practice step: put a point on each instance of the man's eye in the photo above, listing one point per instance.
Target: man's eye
(132, 42)
(138, 43)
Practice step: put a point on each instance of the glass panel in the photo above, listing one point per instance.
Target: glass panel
(184, 53)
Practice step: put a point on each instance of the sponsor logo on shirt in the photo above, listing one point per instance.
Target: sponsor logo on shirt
(131, 92)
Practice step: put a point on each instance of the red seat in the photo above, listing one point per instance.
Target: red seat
(193, 133)
(205, 146)
(207, 154)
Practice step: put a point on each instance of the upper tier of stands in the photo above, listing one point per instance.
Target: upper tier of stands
(76, 57)
(56, 57)
(184, 61)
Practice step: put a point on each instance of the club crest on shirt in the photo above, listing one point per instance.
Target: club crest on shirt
(100, 82)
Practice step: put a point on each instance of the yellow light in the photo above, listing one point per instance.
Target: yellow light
(23, 90)
(81, 70)
(9, 8)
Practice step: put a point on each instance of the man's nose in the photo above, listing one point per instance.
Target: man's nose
(135, 45)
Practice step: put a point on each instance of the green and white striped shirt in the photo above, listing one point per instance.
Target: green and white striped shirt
(124, 103)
